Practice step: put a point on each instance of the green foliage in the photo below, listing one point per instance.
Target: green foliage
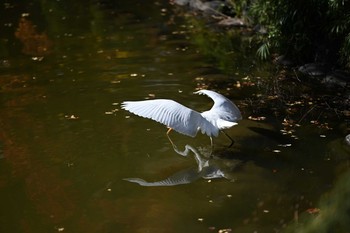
(345, 51)
(263, 51)
(239, 6)
(309, 30)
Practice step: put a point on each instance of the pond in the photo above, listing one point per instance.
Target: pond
(66, 146)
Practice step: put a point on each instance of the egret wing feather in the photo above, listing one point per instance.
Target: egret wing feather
(170, 113)
(224, 107)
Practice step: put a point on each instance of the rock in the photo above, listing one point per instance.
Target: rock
(347, 139)
(283, 60)
(229, 21)
(314, 69)
(260, 29)
(332, 80)
(338, 78)
(214, 7)
(181, 2)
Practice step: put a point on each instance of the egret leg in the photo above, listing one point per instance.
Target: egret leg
(211, 146)
(167, 134)
(232, 141)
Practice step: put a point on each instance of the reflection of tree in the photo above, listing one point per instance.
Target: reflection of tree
(34, 43)
(49, 198)
(334, 212)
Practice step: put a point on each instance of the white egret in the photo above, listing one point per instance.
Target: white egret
(224, 114)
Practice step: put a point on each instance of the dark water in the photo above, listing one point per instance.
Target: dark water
(66, 146)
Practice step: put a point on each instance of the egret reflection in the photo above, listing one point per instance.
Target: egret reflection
(207, 168)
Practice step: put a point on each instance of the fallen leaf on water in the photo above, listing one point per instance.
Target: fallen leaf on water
(285, 145)
(71, 117)
(259, 118)
(225, 230)
(313, 210)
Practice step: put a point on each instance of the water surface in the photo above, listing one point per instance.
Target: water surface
(66, 146)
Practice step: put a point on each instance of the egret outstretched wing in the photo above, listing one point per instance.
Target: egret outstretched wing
(172, 114)
(223, 107)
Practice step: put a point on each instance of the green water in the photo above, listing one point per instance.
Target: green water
(66, 146)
